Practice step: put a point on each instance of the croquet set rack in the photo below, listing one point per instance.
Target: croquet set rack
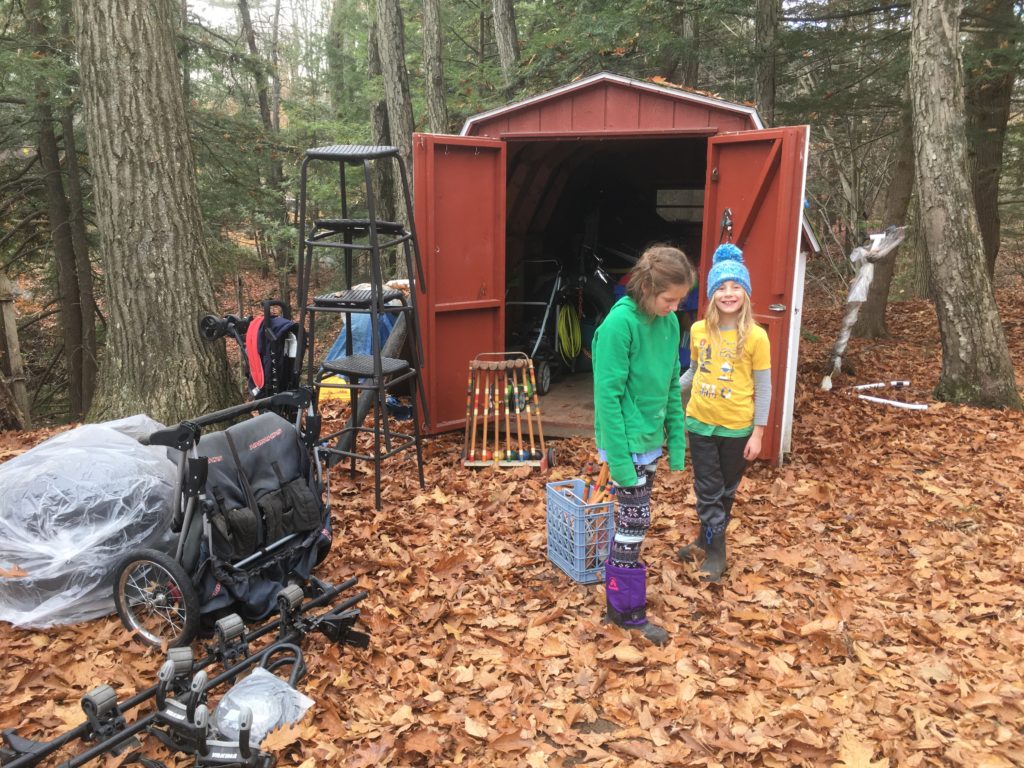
(501, 393)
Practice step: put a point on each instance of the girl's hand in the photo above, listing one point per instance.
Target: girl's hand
(753, 447)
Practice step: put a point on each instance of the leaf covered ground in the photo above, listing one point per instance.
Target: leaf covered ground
(872, 615)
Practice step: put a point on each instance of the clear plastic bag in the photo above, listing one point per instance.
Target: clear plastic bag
(70, 509)
(272, 701)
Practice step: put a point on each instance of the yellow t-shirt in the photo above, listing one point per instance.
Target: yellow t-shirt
(723, 385)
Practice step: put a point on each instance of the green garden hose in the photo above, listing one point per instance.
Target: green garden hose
(570, 339)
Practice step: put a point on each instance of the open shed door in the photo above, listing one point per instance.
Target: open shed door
(759, 177)
(459, 188)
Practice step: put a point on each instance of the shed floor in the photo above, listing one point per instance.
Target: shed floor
(568, 409)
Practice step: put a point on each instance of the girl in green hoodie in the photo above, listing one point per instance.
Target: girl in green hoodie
(637, 412)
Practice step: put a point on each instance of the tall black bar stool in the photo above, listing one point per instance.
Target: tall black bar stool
(372, 240)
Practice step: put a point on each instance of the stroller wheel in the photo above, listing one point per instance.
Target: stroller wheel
(155, 599)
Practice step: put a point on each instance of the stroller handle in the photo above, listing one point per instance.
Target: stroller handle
(186, 434)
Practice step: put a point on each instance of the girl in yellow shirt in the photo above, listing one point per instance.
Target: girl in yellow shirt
(729, 389)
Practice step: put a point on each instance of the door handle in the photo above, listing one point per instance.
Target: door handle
(777, 307)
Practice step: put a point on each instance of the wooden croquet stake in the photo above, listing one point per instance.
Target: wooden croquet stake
(545, 461)
(519, 416)
(476, 410)
(602, 479)
(529, 421)
(487, 411)
(497, 415)
(469, 406)
(506, 392)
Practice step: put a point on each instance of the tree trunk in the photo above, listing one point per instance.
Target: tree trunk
(151, 233)
(433, 57)
(59, 215)
(507, 40)
(976, 365)
(83, 264)
(391, 49)
(766, 29)
(690, 65)
(183, 57)
(12, 369)
(989, 85)
(281, 255)
(380, 130)
(871, 323)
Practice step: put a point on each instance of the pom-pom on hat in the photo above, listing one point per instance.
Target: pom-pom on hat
(727, 264)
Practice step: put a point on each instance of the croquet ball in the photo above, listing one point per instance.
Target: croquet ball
(510, 455)
(487, 455)
(524, 456)
(537, 455)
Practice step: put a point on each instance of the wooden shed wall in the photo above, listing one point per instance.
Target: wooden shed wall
(611, 107)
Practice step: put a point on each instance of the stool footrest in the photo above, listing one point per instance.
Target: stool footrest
(361, 366)
(356, 299)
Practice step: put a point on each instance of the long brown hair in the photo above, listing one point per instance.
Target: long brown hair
(659, 268)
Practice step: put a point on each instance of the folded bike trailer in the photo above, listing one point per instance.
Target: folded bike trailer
(180, 716)
(158, 595)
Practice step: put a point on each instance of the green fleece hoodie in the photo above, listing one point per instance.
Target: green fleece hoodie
(636, 389)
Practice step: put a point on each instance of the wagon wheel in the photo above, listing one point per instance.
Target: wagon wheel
(156, 599)
(543, 375)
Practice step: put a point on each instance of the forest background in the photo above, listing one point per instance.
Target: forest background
(261, 81)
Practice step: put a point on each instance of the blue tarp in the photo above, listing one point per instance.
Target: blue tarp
(361, 335)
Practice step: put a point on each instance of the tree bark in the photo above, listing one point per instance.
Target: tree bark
(155, 260)
(395, 75)
(83, 263)
(12, 370)
(506, 38)
(976, 365)
(79, 230)
(871, 324)
(59, 216)
(433, 58)
(380, 130)
(989, 86)
(281, 256)
(766, 29)
(183, 57)
(690, 64)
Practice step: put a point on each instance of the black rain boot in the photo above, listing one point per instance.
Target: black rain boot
(695, 548)
(714, 564)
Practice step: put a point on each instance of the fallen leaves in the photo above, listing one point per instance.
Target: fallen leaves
(871, 615)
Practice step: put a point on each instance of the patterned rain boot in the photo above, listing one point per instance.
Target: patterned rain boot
(626, 589)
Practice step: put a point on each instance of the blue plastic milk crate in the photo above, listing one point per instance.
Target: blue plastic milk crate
(579, 534)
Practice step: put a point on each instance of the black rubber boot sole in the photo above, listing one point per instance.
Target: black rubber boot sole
(654, 633)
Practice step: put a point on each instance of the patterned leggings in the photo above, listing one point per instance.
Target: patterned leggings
(632, 518)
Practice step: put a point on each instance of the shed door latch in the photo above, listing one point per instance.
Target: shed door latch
(777, 307)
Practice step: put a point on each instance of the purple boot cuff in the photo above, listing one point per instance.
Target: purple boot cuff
(626, 589)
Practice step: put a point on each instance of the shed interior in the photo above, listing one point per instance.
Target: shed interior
(584, 204)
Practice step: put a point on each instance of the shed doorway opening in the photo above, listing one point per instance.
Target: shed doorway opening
(579, 212)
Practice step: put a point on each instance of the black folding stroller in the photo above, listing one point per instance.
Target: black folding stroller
(249, 519)
(268, 343)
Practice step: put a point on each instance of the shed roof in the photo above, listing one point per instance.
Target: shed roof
(606, 102)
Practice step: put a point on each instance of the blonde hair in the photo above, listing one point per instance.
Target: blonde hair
(744, 322)
(659, 268)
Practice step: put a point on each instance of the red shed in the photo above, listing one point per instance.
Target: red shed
(581, 179)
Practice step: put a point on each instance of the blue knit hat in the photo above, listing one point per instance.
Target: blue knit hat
(727, 264)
